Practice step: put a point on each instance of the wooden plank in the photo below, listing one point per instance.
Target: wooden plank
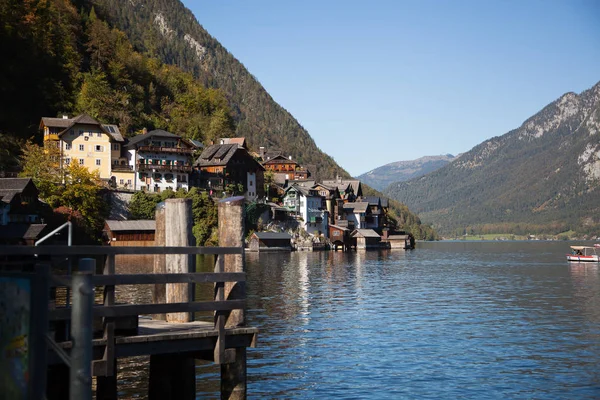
(117, 250)
(144, 279)
(219, 352)
(109, 323)
(138, 309)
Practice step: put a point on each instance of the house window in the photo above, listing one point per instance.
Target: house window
(250, 183)
(99, 134)
(98, 147)
(121, 181)
(98, 161)
(67, 146)
(115, 146)
(129, 181)
(67, 161)
(81, 161)
(115, 162)
(81, 147)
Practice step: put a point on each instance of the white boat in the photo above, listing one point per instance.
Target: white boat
(583, 254)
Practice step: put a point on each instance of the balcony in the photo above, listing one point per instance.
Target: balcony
(123, 168)
(158, 149)
(164, 168)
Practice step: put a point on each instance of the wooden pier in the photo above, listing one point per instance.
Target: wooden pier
(129, 330)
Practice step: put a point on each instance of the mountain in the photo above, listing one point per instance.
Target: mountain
(400, 171)
(167, 30)
(542, 177)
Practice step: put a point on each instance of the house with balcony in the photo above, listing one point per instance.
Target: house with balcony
(356, 214)
(377, 218)
(85, 141)
(221, 165)
(306, 205)
(349, 189)
(160, 160)
(284, 168)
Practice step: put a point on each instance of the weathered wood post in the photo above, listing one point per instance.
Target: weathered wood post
(159, 293)
(178, 232)
(231, 234)
(172, 376)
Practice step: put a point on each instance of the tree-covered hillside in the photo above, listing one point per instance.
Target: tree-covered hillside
(543, 177)
(68, 60)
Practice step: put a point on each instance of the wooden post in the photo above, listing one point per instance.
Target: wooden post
(159, 293)
(231, 234)
(178, 232)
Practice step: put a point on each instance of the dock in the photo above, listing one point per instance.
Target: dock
(68, 344)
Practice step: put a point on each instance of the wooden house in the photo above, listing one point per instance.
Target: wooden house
(222, 164)
(398, 240)
(366, 239)
(270, 241)
(130, 233)
(20, 212)
(339, 236)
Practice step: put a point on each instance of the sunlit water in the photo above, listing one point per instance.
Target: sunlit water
(447, 320)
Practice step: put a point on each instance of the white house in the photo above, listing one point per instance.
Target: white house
(307, 205)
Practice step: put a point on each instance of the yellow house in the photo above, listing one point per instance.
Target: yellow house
(85, 141)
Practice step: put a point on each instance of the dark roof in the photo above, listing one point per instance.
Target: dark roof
(134, 225)
(273, 235)
(21, 231)
(155, 133)
(339, 227)
(14, 183)
(114, 132)
(360, 207)
(216, 154)
(56, 122)
(372, 200)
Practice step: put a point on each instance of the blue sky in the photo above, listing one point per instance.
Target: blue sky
(375, 82)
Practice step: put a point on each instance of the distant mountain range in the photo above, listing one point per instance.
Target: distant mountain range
(543, 177)
(400, 171)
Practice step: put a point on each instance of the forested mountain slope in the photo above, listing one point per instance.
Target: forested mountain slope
(168, 30)
(380, 178)
(543, 177)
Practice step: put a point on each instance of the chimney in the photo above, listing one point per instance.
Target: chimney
(144, 131)
(290, 157)
(65, 117)
(222, 141)
(261, 152)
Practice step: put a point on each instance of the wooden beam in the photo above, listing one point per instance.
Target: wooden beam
(118, 250)
(145, 279)
(139, 309)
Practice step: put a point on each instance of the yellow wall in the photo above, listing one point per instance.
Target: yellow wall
(90, 144)
(125, 176)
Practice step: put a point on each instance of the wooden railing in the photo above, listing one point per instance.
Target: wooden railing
(109, 311)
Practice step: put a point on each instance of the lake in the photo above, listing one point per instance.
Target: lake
(447, 320)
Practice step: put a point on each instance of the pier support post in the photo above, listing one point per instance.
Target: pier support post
(178, 232)
(172, 377)
(231, 234)
(106, 386)
(159, 293)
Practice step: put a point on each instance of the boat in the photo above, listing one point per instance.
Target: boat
(583, 254)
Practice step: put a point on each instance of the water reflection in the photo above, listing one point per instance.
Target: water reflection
(448, 320)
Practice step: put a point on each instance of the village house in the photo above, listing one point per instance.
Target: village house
(377, 217)
(284, 168)
(220, 165)
(161, 160)
(349, 189)
(129, 233)
(19, 212)
(357, 214)
(306, 204)
(85, 141)
(330, 195)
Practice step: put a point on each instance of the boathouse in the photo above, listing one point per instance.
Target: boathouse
(398, 240)
(340, 237)
(270, 241)
(366, 239)
(130, 233)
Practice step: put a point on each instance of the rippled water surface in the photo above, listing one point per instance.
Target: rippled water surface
(447, 320)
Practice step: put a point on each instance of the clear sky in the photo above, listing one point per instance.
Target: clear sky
(375, 82)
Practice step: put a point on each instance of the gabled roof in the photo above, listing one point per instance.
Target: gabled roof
(14, 183)
(67, 123)
(341, 228)
(216, 155)
(373, 200)
(306, 191)
(133, 225)
(367, 233)
(152, 134)
(21, 231)
(357, 207)
(273, 235)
